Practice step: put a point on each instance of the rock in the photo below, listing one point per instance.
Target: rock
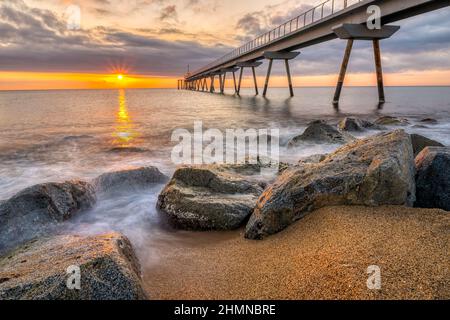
(320, 132)
(32, 210)
(375, 171)
(77, 138)
(420, 142)
(355, 124)
(391, 121)
(211, 197)
(316, 158)
(429, 121)
(125, 150)
(129, 180)
(109, 269)
(433, 178)
(283, 166)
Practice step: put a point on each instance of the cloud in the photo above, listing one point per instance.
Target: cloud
(38, 40)
(169, 12)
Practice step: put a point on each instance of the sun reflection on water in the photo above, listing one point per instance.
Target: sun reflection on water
(125, 132)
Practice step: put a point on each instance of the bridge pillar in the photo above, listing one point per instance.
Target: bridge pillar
(224, 73)
(351, 32)
(220, 83)
(286, 56)
(211, 87)
(244, 65)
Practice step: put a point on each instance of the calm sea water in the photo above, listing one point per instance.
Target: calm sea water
(59, 135)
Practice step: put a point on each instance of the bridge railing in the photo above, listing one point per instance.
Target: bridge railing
(298, 23)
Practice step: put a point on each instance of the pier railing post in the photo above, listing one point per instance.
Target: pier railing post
(377, 52)
(343, 71)
(269, 71)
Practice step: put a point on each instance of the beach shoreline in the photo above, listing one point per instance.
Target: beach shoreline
(323, 256)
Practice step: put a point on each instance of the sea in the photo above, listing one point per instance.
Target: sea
(54, 136)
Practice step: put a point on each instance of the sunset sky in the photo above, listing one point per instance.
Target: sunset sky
(151, 42)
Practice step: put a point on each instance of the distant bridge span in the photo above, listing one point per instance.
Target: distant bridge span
(314, 26)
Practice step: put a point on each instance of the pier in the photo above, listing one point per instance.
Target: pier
(333, 19)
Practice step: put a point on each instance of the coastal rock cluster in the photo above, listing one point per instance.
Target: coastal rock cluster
(374, 171)
(383, 168)
(34, 262)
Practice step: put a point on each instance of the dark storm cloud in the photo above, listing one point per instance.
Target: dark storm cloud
(37, 40)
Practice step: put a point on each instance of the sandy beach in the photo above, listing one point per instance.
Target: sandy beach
(323, 256)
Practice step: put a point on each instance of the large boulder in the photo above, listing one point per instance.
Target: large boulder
(320, 132)
(375, 171)
(356, 125)
(420, 142)
(211, 197)
(433, 178)
(129, 180)
(33, 210)
(41, 270)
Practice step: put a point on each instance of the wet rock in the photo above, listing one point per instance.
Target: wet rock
(125, 150)
(375, 171)
(316, 158)
(211, 197)
(38, 270)
(391, 121)
(420, 142)
(77, 138)
(433, 178)
(429, 121)
(283, 166)
(321, 132)
(33, 210)
(129, 180)
(356, 125)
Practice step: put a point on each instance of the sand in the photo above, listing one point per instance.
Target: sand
(323, 256)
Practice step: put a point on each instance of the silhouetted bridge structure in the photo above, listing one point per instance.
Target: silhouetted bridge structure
(343, 19)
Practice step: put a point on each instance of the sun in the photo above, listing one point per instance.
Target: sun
(120, 77)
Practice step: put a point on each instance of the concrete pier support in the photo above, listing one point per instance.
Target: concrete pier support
(269, 71)
(379, 69)
(224, 75)
(286, 56)
(211, 87)
(221, 82)
(343, 71)
(351, 32)
(244, 65)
